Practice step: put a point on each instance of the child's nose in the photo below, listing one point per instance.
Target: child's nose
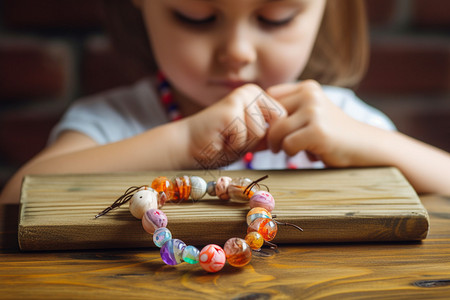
(237, 49)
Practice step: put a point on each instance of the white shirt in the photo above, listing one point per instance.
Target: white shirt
(125, 112)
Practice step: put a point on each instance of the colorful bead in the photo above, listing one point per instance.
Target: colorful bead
(236, 189)
(154, 219)
(262, 199)
(266, 227)
(212, 258)
(211, 188)
(238, 252)
(182, 188)
(254, 239)
(162, 199)
(163, 184)
(198, 188)
(171, 252)
(191, 255)
(143, 200)
(257, 212)
(222, 187)
(161, 235)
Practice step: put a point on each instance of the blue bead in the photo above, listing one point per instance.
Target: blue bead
(161, 235)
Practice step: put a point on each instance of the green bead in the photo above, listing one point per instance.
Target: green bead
(191, 255)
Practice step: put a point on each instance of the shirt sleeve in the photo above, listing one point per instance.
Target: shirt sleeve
(114, 115)
(353, 106)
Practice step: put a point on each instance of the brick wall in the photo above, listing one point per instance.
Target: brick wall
(409, 73)
(52, 52)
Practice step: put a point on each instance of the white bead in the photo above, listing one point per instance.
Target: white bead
(142, 201)
(198, 187)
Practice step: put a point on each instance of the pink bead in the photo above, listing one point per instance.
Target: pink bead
(212, 258)
(222, 187)
(154, 219)
(262, 199)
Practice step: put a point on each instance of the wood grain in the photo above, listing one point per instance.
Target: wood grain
(375, 204)
(394, 270)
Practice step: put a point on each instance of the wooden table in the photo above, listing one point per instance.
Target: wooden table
(317, 271)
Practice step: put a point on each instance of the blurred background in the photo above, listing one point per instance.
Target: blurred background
(52, 52)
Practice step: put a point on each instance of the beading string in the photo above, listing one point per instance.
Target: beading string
(144, 203)
(251, 185)
(121, 200)
(287, 224)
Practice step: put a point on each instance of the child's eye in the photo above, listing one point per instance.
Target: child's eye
(193, 20)
(274, 22)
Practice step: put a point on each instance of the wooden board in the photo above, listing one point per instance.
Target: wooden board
(340, 205)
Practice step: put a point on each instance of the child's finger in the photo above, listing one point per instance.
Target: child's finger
(271, 109)
(296, 96)
(296, 141)
(284, 127)
(282, 90)
(292, 102)
(246, 122)
(256, 123)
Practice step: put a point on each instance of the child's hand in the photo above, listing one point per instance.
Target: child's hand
(318, 126)
(223, 132)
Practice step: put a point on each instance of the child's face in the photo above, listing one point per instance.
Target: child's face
(208, 47)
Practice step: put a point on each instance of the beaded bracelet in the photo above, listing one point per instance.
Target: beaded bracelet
(145, 203)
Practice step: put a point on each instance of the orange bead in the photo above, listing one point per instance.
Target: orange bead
(266, 227)
(182, 188)
(254, 240)
(257, 212)
(238, 252)
(163, 184)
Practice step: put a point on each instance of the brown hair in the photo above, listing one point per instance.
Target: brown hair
(127, 31)
(341, 52)
(339, 57)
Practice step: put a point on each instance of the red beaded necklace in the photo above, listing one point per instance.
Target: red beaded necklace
(166, 97)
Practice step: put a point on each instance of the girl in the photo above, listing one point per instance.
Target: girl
(231, 70)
